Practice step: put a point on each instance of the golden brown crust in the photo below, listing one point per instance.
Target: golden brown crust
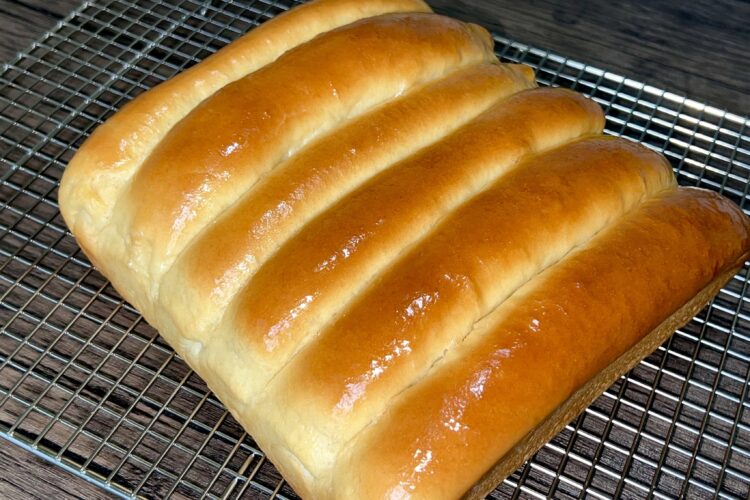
(211, 157)
(429, 299)
(221, 148)
(377, 221)
(102, 167)
(587, 394)
(337, 253)
(222, 258)
(397, 206)
(551, 337)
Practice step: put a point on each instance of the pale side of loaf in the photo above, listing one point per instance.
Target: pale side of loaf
(399, 264)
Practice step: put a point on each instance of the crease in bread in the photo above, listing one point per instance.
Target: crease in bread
(116, 150)
(429, 299)
(108, 159)
(221, 259)
(192, 176)
(391, 257)
(475, 403)
(338, 253)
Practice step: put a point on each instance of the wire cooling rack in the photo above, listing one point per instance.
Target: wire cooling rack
(87, 384)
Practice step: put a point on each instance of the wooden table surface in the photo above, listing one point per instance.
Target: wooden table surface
(697, 48)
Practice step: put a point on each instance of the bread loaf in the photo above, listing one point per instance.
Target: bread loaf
(399, 264)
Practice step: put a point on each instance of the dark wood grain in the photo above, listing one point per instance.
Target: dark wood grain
(27, 476)
(696, 48)
(23, 21)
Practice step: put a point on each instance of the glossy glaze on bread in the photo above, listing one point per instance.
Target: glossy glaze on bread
(389, 255)
(527, 356)
(220, 262)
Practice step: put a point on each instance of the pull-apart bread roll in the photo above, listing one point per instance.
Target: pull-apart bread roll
(401, 265)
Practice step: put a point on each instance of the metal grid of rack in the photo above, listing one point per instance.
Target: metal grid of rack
(86, 383)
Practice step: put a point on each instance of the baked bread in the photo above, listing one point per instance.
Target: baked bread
(399, 264)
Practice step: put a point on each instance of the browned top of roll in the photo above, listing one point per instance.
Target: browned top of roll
(341, 249)
(555, 333)
(217, 152)
(428, 300)
(102, 168)
(224, 257)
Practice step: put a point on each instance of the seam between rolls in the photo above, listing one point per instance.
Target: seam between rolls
(319, 132)
(409, 246)
(335, 128)
(302, 15)
(438, 360)
(466, 118)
